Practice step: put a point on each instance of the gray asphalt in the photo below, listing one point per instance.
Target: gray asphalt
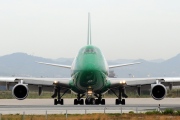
(41, 106)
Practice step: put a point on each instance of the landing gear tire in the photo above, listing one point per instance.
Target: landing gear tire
(75, 101)
(118, 101)
(55, 101)
(92, 101)
(123, 102)
(97, 101)
(121, 94)
(60, 101)
(103, 102)
(58, 95)
(82, 102)
(87, 101)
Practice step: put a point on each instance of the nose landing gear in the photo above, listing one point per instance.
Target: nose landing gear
(92, 101)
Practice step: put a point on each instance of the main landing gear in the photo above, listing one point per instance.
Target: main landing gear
(79, 100)
(99, 99)
(121, 94)
(58, 95)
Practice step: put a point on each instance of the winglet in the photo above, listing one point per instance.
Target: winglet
(89, 30)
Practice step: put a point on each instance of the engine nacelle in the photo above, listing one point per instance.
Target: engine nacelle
(20, 91)
(158, 91)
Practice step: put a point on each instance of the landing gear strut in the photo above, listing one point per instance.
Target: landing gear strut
(79, 100)
(57, 94)
(121, 94)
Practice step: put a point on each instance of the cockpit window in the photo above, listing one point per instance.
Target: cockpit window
(89, 51)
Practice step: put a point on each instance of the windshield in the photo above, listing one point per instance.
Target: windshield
(89, 51)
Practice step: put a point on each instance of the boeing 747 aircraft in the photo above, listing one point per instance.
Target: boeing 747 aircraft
(89, 79)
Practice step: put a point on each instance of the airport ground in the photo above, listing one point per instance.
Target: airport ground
(42, 106)
(135, 109)
(109, 101)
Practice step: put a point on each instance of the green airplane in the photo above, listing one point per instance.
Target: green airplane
(89, 79)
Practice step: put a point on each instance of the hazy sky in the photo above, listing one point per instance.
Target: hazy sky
(128, 29)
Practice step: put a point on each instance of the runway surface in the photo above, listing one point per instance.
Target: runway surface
(43, 106)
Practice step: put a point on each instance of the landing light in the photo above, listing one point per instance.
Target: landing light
(122, 82)
(55, 82)
(89, 92)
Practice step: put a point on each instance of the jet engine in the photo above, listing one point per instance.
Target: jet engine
(20, 91)
(158, 91)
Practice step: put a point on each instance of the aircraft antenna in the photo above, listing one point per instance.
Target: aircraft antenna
(89, 30)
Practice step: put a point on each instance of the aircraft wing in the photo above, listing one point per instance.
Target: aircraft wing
(121, 65)
(63, 82)
(115, 82)
(56, 65)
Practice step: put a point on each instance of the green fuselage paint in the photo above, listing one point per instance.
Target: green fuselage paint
(89, 70)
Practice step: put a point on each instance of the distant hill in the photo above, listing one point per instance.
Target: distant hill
(22, 64)
(168, 68)
(157, 60)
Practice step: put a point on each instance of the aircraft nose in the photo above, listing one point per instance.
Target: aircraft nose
(90, 78)
(91, 66)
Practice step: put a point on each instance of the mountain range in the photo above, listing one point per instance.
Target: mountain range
(22, 64)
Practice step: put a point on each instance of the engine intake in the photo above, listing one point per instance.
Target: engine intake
(20, 91)
(158, 91)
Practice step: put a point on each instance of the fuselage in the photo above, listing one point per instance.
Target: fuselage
(90, 70)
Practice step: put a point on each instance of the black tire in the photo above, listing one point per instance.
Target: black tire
(97, 101)
(92, 101)
(123, 102)
(82, 102)
(75, 101)
(117, 101)
(62, 102)
(55, 101)
(86, 102)
(103, 102)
